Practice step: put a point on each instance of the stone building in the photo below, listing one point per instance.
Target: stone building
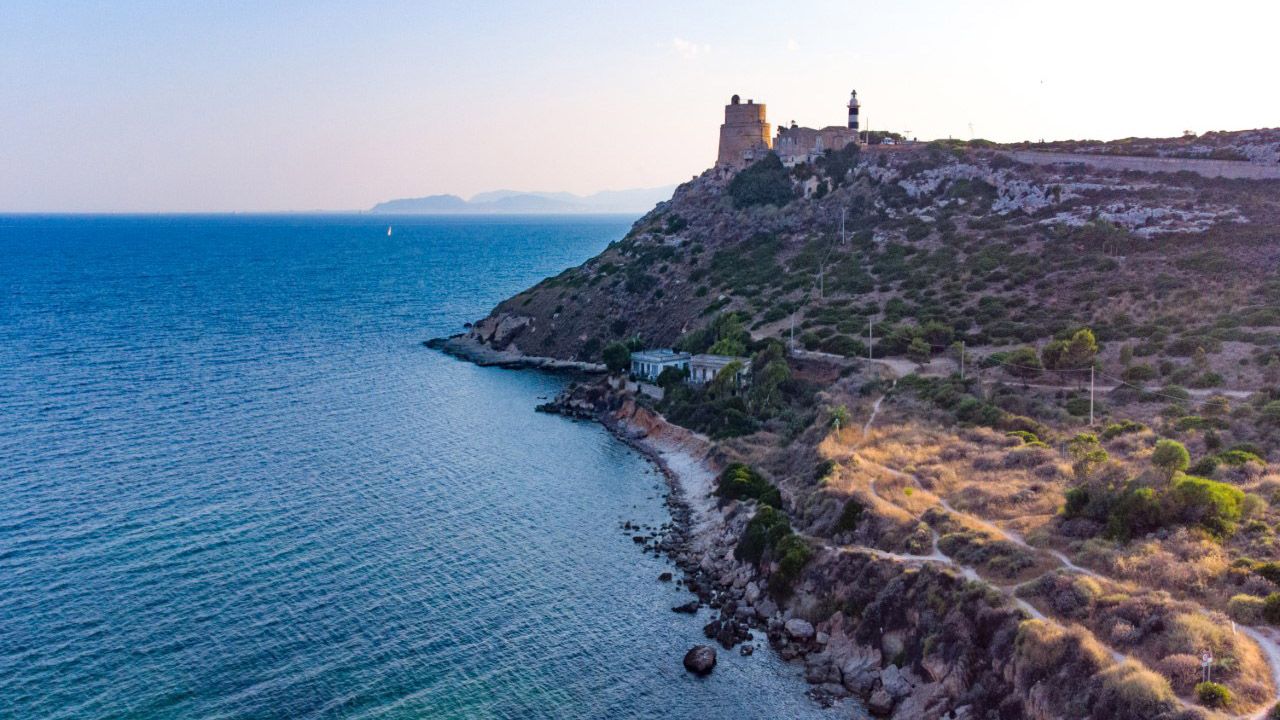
(796, 145)
(744, 136)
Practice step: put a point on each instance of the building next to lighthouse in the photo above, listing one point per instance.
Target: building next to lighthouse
(796, 145)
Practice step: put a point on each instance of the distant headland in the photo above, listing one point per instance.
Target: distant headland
(635, 200)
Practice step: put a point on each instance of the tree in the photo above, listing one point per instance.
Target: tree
(617, 357)
(1087, 454)
(1126, 355)
(671, 377)
(766, 384)
(725, 382)
(1081, 349)
(1075, 354)
(919, 350)
(1170, 457)
(937, 334)
(1023, 363)
(729, 335)
(839, 416)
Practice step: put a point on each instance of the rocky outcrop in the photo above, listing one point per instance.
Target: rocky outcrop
(700, 660)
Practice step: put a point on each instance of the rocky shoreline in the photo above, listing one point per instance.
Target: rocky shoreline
(466, 346)
(868, 648)
(905, 641)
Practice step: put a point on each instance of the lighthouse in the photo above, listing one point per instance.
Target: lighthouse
(853, 110)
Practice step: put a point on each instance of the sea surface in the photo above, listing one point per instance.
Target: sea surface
(235, 484)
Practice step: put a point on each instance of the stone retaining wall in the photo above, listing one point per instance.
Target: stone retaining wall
(1234, 169)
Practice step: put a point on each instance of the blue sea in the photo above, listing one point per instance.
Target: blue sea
(235, 484)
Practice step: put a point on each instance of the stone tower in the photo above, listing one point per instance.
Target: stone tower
(853, 111)
(744, 136)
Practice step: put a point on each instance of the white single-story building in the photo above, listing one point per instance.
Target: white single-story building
(649, 364)
(704, 368)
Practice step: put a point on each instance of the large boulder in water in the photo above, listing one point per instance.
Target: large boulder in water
(700, 659)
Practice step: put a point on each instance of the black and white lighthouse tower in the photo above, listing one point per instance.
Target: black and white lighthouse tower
(853, 110)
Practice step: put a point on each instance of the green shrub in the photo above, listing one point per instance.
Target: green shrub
(849, 516)
(1139, 374)
(1137, 513)
(1023, 363)
(1213, 695)
(792, 553)
(1239, 457)
(1269, 570)
(764, 530)
(766, 182)
(1204, 467)
(1246, 609)
(1271, 609)
(741, 482)
(1124, 427)
(1213, 505)
(1027, 438)
(1077, 499)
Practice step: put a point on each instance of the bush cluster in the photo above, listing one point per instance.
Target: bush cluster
(766, 182)
(768, 536)
(743, 482)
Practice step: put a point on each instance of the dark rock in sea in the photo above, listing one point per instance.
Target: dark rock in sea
(700, 659)
(711, 629)
(690, 607)
(638, 539)
(664, 577)
(747, 650)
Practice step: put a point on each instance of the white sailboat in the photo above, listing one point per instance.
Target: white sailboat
(388, 231)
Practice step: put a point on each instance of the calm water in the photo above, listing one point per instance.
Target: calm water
(234, 484)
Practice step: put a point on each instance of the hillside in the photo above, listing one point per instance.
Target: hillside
(1111, 538)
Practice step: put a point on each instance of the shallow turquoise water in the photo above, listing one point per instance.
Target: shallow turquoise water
(234, 484)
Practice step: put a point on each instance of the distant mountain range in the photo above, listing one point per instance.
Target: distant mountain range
(637, 200)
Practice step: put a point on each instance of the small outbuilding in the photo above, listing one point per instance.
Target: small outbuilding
(649, 364)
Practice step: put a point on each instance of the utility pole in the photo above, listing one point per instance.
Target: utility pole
(869, 340)
(1090, 397)
(961, 361)
(843, 239)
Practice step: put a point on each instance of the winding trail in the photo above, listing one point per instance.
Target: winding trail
(1267, 639)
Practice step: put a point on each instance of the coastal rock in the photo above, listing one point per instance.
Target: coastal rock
(895, 682)
(752, 592)
(880, 703)
(664, 577)
(797, 629)
(860, 670)
(690, 607)
(700, 659)
(820, 670)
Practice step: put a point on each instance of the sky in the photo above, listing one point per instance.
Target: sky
(279, 106)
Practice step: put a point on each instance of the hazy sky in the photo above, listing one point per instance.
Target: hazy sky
(168, 106)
